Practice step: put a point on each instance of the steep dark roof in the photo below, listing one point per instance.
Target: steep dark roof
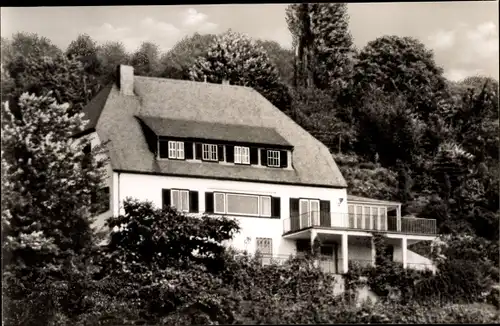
(207, 103)
(93, 109)
(213, 131)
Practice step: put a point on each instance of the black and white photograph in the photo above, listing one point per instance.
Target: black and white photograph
(257, 163)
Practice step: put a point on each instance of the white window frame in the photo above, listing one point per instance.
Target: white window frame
(241, 155)
(309, 210)
(176, 150)
(273, 158)
(259, 204)
(180, 194)
(209, 152)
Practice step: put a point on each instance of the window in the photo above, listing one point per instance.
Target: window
(220, 203)
(265, 206)
(180, 200)
(273, 158)
(100, 201)
(265, 246)
(176, 150)
(309, 212)
(242, 204)
(241, 155)
(209, 152)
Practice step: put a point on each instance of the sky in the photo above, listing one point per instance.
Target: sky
(462, 35)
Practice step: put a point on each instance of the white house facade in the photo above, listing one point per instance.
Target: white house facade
(218, 149)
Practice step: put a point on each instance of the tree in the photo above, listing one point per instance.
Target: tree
(65, 78)
(167, 259)
(146, 60)
(110, 55)
(46, 201)
(84, 49)
(282, 58)
(323, 43)
(30, 44)
(236, 58)
(177, 62)
(402, 66)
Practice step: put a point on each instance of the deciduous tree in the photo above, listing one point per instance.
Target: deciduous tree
(146, 60)
(46, 202)
(236, 58)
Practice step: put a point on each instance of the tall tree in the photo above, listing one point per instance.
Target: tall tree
(236, 58)
(146, 60)
(323, 43)
(30, 44)
(177, 62)
(403, 66)
(282, 58)
(110, 55)
(84, 49)
(46, 200)
(65, 78)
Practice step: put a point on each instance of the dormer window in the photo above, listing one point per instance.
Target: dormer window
(209, 152)
(241, 155)
(176, 150)
(273, 158)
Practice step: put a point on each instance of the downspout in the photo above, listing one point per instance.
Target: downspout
(118, 191)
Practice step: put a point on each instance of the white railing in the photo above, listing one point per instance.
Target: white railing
(368, 222)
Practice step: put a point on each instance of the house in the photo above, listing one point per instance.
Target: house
(220, 149)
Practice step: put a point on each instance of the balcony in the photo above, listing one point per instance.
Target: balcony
(360, 222)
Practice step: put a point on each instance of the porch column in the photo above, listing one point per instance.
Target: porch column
(398, 217)
(345, 258)
(374, 251)
(404, 251)
(314, 233)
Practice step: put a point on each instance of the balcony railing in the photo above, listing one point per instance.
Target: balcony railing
(365, 222)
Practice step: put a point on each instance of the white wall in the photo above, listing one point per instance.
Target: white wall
(149, 187)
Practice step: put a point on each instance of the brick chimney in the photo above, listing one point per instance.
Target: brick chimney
(126, 79)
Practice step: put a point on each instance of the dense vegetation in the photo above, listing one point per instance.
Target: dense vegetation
(398, 130)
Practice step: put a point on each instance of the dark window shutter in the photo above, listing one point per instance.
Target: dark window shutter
(254, 155)
(220, 152)
(294, 214)
(163, 150)
(165, 194)
(193, 201)
(263, 157)
(188, 150)
(209, 202)
(229, 153)
(325, 217)
(283, 159)
(294, 207)
(276, 207)
(198, 151)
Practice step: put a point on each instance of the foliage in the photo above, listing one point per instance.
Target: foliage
(236, 58)
(84, 49)
(367, 179)
(324, 45)
(25, 45)
(146, 60)
(177, 62)
(401, 65)
(110, 55)
(319, 113)
(65, 78)
(46, 201)
(281, 57)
